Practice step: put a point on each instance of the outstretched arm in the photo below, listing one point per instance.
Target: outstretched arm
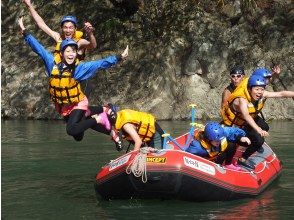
(281, 94)
(37, 48)
(234, 134)
(88, 69)
(40, 22)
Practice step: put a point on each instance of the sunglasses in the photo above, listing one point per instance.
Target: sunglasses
(236, 75)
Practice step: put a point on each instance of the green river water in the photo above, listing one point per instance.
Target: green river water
(47, 175)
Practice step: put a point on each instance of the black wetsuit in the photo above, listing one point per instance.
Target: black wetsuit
(231, 87)
(77, 123)
(256, 139)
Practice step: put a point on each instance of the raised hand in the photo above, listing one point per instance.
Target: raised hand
(276, 70)
(21, 25)
(125, 54)
(88, 28)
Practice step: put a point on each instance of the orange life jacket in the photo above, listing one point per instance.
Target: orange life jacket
(211, 150)
(230, 116)
(63, 88)
(144, 122)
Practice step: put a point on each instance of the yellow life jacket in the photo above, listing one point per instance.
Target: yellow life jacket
(211, 150)
(77, 36)
(232, 117)
(243, 83)
(144, 122)
(63, 88)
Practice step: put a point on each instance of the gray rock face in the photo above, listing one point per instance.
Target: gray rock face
(180, 53)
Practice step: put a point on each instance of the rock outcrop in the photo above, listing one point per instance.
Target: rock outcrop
(180, 53)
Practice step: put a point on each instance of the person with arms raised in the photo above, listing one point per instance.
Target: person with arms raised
(69, 30)
(64, 85)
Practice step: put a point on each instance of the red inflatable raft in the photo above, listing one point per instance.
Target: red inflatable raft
(175, 174)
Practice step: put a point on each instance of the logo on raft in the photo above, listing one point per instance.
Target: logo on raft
(119, 162)
(156, 159)
(195, 164)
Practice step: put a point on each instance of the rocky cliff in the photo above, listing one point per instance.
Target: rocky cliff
(180, 53)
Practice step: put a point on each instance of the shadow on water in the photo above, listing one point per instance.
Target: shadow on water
(47, 175)
(253, 208)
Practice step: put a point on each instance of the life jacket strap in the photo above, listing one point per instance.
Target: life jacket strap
(146, 133)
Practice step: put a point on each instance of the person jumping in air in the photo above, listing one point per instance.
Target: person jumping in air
(69, 30)
(64, 85)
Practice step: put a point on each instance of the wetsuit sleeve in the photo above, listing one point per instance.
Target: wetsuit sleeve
(233, 134)
(88, 69)
(47, 57)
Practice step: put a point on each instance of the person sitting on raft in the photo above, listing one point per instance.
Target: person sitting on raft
(236, 75)
(139, 128)
(265, 73)
(64, 84)
(218, 143)
(242, 109)
(68, 31)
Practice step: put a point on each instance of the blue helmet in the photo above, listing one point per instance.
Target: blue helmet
(112, 112)
(214, 131)
(68, 42)
(237, 70)
(262, 72)
(69, 18)
(256, 80)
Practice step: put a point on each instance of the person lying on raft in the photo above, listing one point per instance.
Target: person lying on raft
(242, 109)
(139, 128)
(64, 85)
(218, 143)
(68, 31)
